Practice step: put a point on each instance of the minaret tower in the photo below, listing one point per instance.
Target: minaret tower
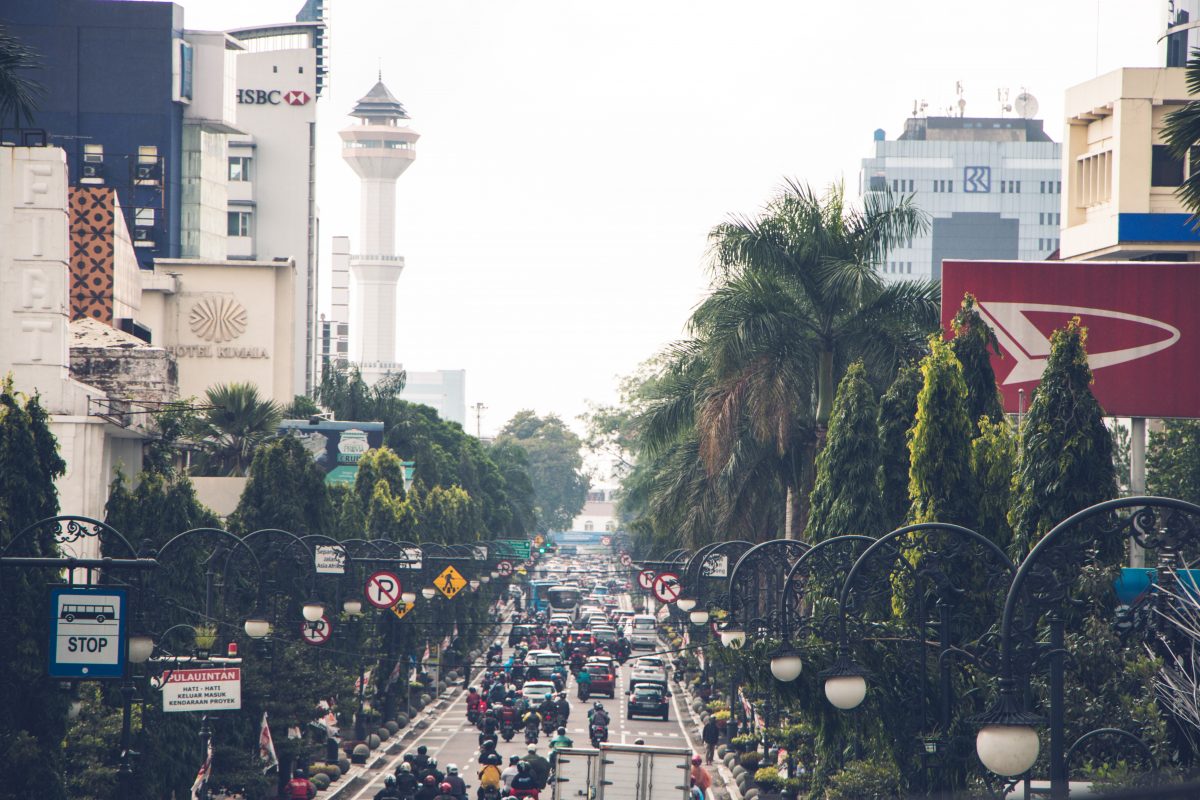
(378, 149)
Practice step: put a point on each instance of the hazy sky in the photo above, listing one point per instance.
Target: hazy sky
(573, 155)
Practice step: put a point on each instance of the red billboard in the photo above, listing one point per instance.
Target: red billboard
(1143, 323)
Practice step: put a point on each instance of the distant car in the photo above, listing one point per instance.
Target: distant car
(647, 675)
(642, 631)
(604, 678)
(650, 661)
(648, 700)
(537, 691)
(518, 633)
(604, 635)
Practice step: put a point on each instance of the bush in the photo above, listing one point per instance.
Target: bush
(768, 779)
(721, 716)
(716, 705)
(750, 760)
(401, 721)
(875, 779)
(320, 780)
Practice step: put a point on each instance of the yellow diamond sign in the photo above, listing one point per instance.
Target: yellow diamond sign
(450, 582)
(402, 608)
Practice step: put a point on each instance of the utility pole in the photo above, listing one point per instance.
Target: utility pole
(479, 409)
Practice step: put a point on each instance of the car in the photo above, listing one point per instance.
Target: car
(518, 633)
(581, 640)
(642, 631)
(604, 678)
(651, 661)
(647, 675)
(648, 700)
(604, 635)
(537, 691)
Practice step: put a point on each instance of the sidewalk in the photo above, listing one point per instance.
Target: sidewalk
(724, 784)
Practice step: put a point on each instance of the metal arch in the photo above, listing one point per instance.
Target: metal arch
(790, 587)
(1047, 543)
(755, 554)
(733, 550)
(77, 528)
(887, 539)
(1117, 733)
(220, 533)
(691, 571)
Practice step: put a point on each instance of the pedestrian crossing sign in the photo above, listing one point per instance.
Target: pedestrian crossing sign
(402, 608)
(450, 582)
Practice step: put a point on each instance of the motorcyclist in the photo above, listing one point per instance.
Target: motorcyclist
(488, 725)
(561, 740)
(489, 771)
(532, 722)
(539, 766)
(562, 708)
(389, 790)
(406, 782)
(445, 792)
(458, 787)
(496, 693)
(421, 759)
(583, 681)
(508, 716)
(524, 784)
(432, 769)
(510, 772)
(429, 788)
(549, 712)
(300, 787)
(473, 703)
(597, 715)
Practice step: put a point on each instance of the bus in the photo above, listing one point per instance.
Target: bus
(564, 598)
(539, 595)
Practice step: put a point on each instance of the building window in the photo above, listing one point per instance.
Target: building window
(239, 223)
(1166, 169)
(895, 185)
(588, 526)
(239, 168)
(1093, 177)
(610, 526)
(911, 183)
(878, 183)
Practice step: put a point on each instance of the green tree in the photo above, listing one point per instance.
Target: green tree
(973, 344)
(19, 93)
(1066, 450)
(35, 707)
(1173, 460)
(994, 461)
(941, 484)
(1181, 132)
(897, 415)
(286, 490)
(555, 467)
(301, 407)
(844, 498)
(379, 464)
(237, 423)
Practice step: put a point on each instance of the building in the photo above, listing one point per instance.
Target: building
(445, 390)
(1119, 177)
(599, 513)
(990, 186)
(379, 149)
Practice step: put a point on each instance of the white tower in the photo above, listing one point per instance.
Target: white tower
(379, 150)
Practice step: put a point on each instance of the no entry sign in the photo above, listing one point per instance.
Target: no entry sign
(382, 589)
(646, 578)
(666, 587)
(316, 632)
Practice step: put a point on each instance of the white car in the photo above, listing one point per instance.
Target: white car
(647, 674)
(537, 691)
(642, 631)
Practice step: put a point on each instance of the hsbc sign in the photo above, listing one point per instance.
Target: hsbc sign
(272, 97)
(1142, 322)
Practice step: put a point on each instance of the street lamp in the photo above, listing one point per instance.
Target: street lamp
(408, 596)
(352, 607)
(485, 578)
(495, 574)
(428, 592)
(474, 585)
(686, 604)
(257, 628)
(845, 691)
(786, 664)
(699, 616)
(141, 647)
(733, 636)
(1007, 750)
(313, 610)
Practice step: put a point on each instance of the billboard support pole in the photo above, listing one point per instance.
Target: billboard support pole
(1137, 479)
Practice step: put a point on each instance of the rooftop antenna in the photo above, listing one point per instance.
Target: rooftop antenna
(919, 107)
(1002, 96)
(381, 69)
(962, 104)
(1026, 105)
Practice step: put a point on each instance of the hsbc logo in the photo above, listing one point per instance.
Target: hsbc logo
(272, 97)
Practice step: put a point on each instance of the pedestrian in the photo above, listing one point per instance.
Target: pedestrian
(699, 775)
(538, 767)
(711, 736)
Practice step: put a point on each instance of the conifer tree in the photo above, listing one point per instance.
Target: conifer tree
(897, 415)
(972, 345)
(286, 489)
(1066, 450)
(994, 462)
(941, 484)
(844, 498)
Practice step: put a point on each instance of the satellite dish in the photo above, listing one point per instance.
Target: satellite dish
(1026, 105)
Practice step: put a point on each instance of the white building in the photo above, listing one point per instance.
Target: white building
(379, 149)
(444, 389)
(599, 513)
(990, 186)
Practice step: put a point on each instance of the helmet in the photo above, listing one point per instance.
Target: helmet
(389, 781)
(522, 767)
(422, 750)
(514, 760)
(299, 773)
(433, 762)
(532, 748)
(445, 787)
(508, 701)
(696, 761)
(598, 706)
(430, 780)
(406, 767)
(452, 769)
(489, 744)
(562, 731)
(473, 690)
(408, 758)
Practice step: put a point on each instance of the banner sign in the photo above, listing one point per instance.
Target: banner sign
(202, 689)
(330, 559)
(336, 446)
(1143, 332)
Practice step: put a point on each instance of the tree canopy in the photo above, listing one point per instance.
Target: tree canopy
(553, 453)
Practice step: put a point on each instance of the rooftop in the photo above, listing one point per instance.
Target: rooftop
(974, 129)
(379, 104)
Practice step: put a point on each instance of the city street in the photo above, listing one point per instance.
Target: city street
(451, 739)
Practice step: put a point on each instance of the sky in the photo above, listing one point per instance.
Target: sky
(574, 155)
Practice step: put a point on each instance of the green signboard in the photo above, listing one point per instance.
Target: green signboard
(511, 548)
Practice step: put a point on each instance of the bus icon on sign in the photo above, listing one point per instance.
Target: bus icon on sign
(70, 613)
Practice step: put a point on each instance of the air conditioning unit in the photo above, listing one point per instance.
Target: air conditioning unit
(92, 173)
(143, 237)
(148, 174)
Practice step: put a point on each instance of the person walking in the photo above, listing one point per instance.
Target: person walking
(711, 736)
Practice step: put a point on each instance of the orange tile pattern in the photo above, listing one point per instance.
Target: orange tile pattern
(92, 263)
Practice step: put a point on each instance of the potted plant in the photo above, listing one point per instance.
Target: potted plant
(721, 718)
(744, 742)
(769, 782)
(750, 760)
(205, 636)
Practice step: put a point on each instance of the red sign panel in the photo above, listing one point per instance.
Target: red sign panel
(1142, 321)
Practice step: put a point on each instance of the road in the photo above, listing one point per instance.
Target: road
(452, 740)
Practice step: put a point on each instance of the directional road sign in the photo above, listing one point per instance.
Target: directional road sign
(382, 589)
(402, 608)
(330, 559)
(480, 552)
(504, 568)
(646, 578)
(316, 632)
(626, 559)
(666, 587)
(450, 582)
(87, 633)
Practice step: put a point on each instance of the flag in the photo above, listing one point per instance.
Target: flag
(203, 775)
(266, 746)
(446, 643)
(394, 676)
(425, 655)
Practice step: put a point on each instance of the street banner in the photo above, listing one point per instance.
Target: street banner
(266, 746)
(202, 689)
(1143, 332)
(203, 775)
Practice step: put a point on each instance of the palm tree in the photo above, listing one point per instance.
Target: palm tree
(18, 92)
(236, 424)
(1181, 132)
(797, 298)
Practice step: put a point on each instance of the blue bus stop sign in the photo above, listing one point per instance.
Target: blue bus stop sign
(87, 632)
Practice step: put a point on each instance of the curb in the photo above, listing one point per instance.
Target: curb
(729, 782)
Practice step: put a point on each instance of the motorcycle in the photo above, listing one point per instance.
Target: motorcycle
(489, 793)
(507, 731)
(598, 734)
(585, 690)
(531, 734)
(549, 723)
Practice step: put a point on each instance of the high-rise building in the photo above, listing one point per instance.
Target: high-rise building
(379, 149)
(990, 186)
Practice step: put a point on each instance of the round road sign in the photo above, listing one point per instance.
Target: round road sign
(606, 541)
(666, 587)
(382, 589)
(646, 578)
(316, 632)
(504, 568)
(626, 559)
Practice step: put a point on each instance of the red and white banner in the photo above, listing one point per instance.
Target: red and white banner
(203, 775)
(202, 689)
(1143, 330)
(266, 746)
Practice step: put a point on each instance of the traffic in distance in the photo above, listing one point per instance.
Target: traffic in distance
(576, 668)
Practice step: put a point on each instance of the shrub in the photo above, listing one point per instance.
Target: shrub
(320, 780)
(716, 705)
(750, 760)
(744, 740)
(875, 779)
(722, 716)
(768, 779)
